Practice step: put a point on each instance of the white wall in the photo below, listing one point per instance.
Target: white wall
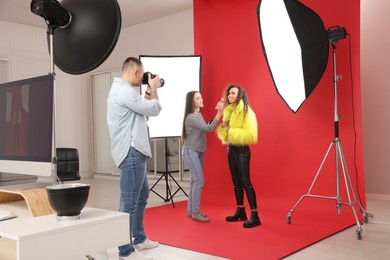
(170, 35)
(375, 84)
(26, 48)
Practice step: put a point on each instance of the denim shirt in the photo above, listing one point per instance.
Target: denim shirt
(127, 113)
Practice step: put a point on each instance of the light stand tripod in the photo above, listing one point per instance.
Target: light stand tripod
(167, 174)
(340, 159)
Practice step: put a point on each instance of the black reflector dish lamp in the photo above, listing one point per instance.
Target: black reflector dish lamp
(295, 45)
(86, 31)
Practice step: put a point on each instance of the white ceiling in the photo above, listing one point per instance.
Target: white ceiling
(133, 11)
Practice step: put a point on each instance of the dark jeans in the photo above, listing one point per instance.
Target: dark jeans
(239, 159)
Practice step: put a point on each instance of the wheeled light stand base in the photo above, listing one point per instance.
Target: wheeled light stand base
(352, 201)
(167, 174)
(340, 159)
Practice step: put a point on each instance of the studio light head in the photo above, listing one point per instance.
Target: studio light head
(86, 31)
(52, 11)
(336, 33)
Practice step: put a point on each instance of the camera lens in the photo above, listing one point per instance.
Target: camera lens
(145, 78)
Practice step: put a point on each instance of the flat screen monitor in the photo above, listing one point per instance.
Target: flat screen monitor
(26, 126)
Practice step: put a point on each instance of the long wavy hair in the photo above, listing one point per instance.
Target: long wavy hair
(241, 95)
(188, 109)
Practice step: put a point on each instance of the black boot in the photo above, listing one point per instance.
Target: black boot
(238, 215)
(253, 221)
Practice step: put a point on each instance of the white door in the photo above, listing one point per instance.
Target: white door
(103, 162)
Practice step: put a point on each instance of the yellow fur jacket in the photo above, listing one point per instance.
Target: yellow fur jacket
(242, 131)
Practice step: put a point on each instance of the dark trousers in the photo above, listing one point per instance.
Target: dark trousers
(239, 159)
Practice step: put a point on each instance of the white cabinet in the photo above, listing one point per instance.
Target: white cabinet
(45, 237)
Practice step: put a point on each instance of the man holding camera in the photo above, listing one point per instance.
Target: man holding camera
(127, 113)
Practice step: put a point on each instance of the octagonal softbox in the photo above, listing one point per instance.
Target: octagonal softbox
(295, 45)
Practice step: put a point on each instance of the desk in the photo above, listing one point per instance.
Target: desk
(45, 237)
(36, 199)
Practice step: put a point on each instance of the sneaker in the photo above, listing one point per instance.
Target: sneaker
(200, 217)
(136, 256)
(147, 244)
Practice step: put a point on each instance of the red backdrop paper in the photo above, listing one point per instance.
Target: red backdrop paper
(291, 146)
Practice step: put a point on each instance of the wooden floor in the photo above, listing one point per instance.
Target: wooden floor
(375, 243)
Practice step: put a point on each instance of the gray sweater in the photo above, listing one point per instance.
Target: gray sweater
(196, 129)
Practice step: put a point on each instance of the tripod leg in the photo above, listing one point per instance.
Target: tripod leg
(152, 188)
(348, 186)
(289, 214)
(178, 185)
(169, 196)
(364, 212)
(319, 169)
(166, 188)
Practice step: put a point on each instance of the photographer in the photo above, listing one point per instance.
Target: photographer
(127, 113)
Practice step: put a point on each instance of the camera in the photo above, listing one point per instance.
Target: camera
(145, 79)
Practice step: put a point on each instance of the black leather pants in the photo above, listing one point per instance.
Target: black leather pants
(239, 159)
